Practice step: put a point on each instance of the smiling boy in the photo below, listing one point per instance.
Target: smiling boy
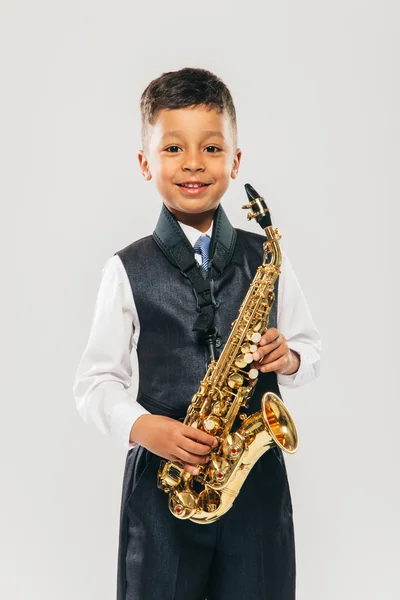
(188, 146)
(189, 149)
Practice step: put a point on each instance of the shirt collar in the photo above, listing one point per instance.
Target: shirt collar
(193, 234)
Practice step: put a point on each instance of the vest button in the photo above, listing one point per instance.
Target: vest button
(218, 342)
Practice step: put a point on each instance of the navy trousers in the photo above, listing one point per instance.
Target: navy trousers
(249, 553)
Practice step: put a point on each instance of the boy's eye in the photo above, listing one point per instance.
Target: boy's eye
(215, 148)
(172, 148)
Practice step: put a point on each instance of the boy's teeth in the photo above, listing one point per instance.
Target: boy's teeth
(196, 185)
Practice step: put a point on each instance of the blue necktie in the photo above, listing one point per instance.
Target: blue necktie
(201, 247)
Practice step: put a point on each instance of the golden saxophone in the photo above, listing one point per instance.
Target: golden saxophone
(226, 388)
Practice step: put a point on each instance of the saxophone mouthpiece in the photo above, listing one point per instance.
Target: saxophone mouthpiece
(251, 192)
(258, 206)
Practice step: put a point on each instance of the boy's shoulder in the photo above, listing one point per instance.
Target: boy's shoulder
(137, 246)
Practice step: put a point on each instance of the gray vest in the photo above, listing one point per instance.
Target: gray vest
(172, 357)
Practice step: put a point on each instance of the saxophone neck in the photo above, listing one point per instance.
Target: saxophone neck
(272, 249)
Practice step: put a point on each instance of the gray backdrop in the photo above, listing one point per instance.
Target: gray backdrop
(316, 86)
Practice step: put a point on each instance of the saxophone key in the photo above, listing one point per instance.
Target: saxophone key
(213, 425)
(202, 390)
(182, 504)
(170, 475)
(219, 409)
(257, 326)
(246, 348)
(247, 393)
(235, 381)
(219, 470)
(240, 362)
(232, 447)
(197, 401)
(253, 336)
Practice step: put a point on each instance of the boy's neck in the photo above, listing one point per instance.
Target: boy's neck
(201, 221)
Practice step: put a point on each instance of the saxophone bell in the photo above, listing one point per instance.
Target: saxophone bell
(279, 423)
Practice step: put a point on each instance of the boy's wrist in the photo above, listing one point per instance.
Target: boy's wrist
(294, 363)
(137, 429)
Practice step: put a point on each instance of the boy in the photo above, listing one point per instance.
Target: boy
(146, 302)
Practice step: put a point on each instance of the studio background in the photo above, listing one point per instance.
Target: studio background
(317, 90)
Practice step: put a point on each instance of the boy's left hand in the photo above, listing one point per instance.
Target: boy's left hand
(275, 354)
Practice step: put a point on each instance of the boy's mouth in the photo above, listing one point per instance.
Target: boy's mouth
(193, 188)
(194, 184)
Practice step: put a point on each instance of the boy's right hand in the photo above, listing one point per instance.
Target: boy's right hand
(173, 440)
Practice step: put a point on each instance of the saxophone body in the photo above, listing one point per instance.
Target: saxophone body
(224, 392)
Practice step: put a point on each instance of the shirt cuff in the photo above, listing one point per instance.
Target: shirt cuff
(308, 368)
(122, 419)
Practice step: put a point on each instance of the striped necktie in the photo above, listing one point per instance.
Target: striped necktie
(201, 247)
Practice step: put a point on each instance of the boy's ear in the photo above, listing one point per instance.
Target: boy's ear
(144, 165)
(236, 163)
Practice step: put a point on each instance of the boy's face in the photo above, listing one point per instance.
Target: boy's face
(191, 145)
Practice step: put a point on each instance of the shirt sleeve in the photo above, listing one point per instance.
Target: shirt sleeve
(295, 322)
(104, 375)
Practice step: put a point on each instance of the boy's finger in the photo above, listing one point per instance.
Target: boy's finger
(194, 447)
(200, 436)
(261, 352)
(190, 469)
(270, 357)
(191, 459)
(277, 365)
(269, 336)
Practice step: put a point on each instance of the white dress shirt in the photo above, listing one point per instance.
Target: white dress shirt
(104, 375)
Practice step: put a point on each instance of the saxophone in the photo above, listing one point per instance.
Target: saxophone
(226, 388)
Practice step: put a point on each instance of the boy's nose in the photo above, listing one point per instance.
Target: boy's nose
(193, 162)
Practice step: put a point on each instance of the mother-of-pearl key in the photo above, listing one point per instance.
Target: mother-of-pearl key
(253, 336)
(245, 348)
(248, 350)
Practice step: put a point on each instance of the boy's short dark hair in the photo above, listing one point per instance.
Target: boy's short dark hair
(185, 88)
